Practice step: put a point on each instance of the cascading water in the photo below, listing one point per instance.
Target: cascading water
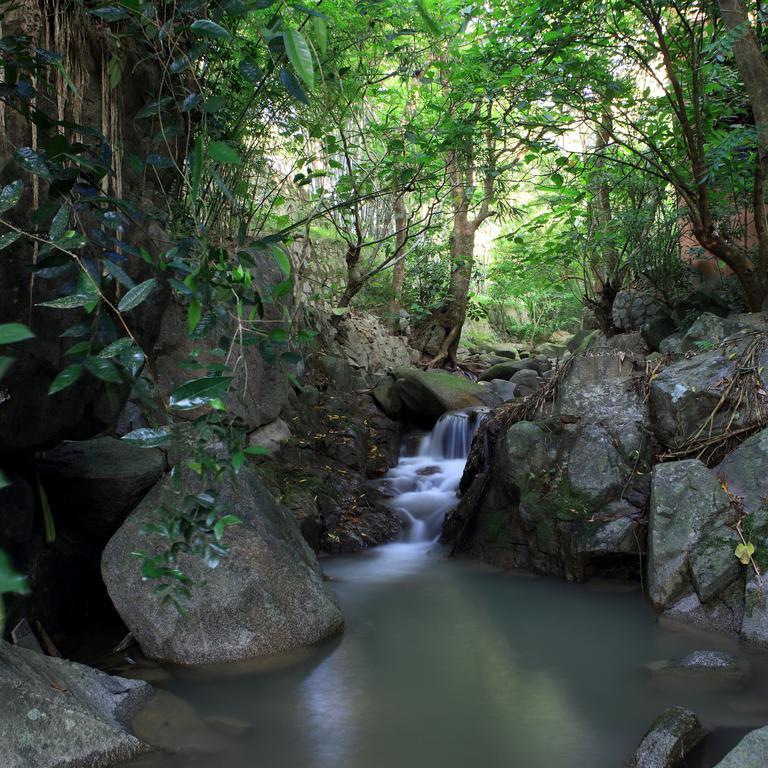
(425, 482)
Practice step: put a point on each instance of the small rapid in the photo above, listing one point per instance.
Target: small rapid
(425, 481)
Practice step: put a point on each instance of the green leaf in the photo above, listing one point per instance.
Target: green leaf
(147, 437)
(428, 20)
(321, 33)
(59, 223)
(257, 450)
(68, 302)
(116, 348)
(744, 552)
(300, 56)
(223, 153)
(66, 378)
(9, 238)
(194, 313)
(10, 195)
(293, 86)
(48, 524)
(5, 363)
(238, 460)
(10, 581)
(32, 162)
(223, 524)
(103, 369)
(10, 333)
(208, 28)
(198, 392)
(136, 295)
(281, 257)
(251, 72)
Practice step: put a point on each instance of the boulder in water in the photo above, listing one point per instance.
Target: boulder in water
(690, 546)
(58, 713)
(750, 752)
(709, 665)
(266, 596)
(671, 737)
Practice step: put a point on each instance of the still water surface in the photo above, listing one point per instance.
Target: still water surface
(452, 664)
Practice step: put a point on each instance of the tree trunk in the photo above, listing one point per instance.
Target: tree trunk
(753, 68)
(451, 316)
(398, 271)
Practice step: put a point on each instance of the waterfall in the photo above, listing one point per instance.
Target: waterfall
(425, 482)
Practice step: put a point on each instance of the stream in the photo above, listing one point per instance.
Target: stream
(451, 663)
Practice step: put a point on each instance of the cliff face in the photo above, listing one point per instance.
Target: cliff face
(71, 91)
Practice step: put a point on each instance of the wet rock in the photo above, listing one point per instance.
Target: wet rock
(105, 477)
(430, 394)
(723, 614)
(266, 596)
(673, 734)
(169, 723)
(754, 625)
(688, 540)
(750, 752)
(711, 665)
(57, 713)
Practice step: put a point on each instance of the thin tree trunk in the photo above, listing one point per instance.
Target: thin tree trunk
(398, 271)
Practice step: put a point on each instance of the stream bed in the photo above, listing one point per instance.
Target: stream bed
(451, 663)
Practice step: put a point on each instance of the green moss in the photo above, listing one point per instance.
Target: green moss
(493, 528)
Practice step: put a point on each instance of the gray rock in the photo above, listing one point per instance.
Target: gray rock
(723, 615)
(505, 370)
(259, 389)
(266, 596)
(387, 397)
(106, 477)
(754, 625)
(672, 344)
(671, 737)
(655, 331)
(710, 665)
(272, 436)
(364, 340)
(580, 340)
(506, 390)
(709, 329)
(526, 382)
(744, 470)
(58, 713)
(430, 394)
(688, 513)
(685, 393)
(511, 351)
(633, 307)
(750, 752)
(601, 387)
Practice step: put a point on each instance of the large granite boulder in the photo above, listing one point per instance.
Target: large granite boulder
(710, 329)
(750, 752)
(671, 737)
(690, 546)
(602, 387)
(259, 388)
(505, 370)
(430, 394)
(57, 713)
(685, 393)
(564, 499)
(266, 596)
(363, 340)
(634, 307)
(106, 477)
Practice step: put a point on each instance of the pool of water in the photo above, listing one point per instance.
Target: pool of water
(450, 663)
(453, 664)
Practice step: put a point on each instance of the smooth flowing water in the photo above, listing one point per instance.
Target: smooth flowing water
(449, 663)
